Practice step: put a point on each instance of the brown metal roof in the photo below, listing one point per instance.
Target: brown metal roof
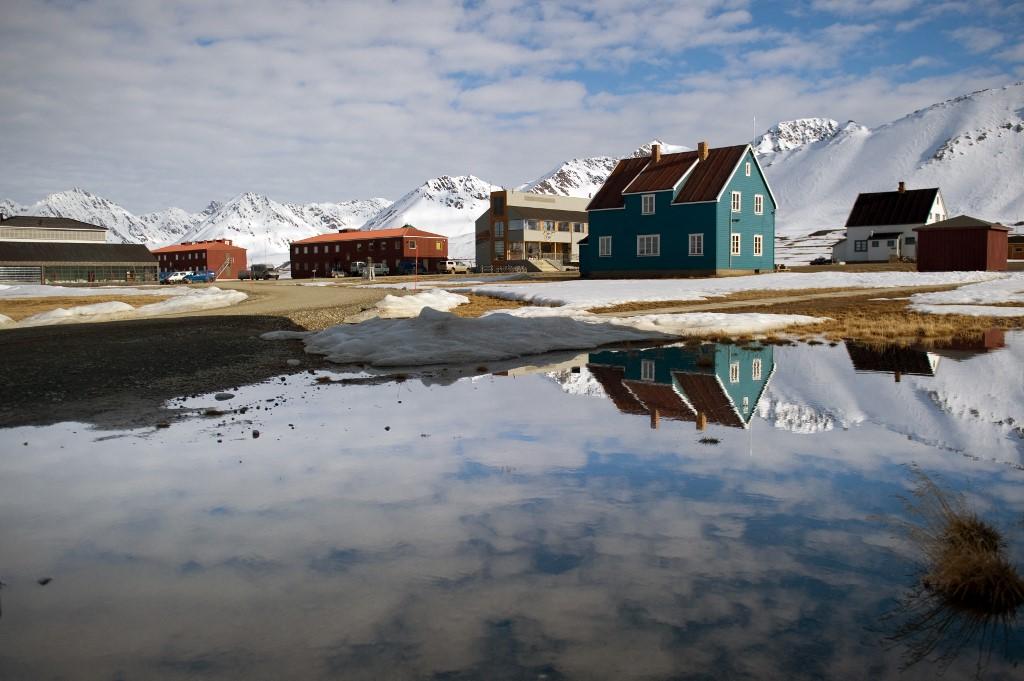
(610, 193)
(892, 208)
(707, 395)
(610, 379)
(661, 397)
(191, 246)
(708, 179)
(664, 174)
(889, 359)
(962, 222)
(58, 252)
(48, 223)
(363, 235)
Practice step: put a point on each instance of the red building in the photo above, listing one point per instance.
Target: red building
(218, 255)
(961, 244)
(400, 249)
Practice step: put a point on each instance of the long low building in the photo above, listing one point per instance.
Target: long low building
(401, 249)
(43, 250)
(215, 255)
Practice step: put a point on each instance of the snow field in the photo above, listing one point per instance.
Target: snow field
(190, 300)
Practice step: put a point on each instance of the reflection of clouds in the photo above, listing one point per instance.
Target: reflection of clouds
(586, 545)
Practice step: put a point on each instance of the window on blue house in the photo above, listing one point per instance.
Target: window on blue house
(734, 372)
(648, 245)
(734, 244)
(758, 244)
(755, 369)
(746, 169)
(737, 202)
(758, 204)
(647, 204)
(604, 246)
(647, 370)
(696, 244)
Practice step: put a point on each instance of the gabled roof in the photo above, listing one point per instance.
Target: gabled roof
(610, 193)
(704, 180)
(708, 396)
(664, 174)
(610, 378)
(661, 398)
(890, 359)
(709, 178)
(885, 235)
(189, 246)
(57, 252)
(962, 222)
(48, 223)
(363, 235)
(877, 209)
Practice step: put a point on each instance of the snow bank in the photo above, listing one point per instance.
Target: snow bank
(46, 291)
(191, 301)
(4, 319)
(436, 337)
(583, 294)
(970, 310)
(394, 307)
(1006, 290)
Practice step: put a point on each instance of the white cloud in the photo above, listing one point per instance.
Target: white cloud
(977, 39)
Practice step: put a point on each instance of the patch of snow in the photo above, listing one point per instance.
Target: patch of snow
(1007, 290)
(46, 291)
(581, 382)
(4, 319)
(192, 300)
(969, 310)
(398, 307)
(436, 337)
(64, 314)
(583, 294)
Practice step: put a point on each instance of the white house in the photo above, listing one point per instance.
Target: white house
(881, 224)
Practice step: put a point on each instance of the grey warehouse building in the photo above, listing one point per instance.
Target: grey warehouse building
(43, 250)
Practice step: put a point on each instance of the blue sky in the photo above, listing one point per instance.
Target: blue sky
(154, 104)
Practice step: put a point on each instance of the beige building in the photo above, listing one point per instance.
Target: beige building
(538, 230)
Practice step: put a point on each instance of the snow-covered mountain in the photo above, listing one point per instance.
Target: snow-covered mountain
(578, 177)
(445, 205)
(972, 147)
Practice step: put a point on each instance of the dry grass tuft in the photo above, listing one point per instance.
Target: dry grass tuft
(478, 305)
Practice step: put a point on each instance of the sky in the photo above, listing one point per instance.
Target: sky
(156, 104)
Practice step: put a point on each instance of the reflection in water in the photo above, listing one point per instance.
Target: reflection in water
(712, 382)
(501, 527)
(967, 594)
(900, 360)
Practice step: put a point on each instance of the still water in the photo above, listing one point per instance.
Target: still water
(690, 512)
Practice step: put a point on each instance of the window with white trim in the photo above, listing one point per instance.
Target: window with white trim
(746, 169)
(411, 245)
(531, 224)
(577, 227)
(696, 244)
(746, 404)
(734, 244)
(604, 246)
(647, 204)
(758, 244)
(734, 372)
(758, 204)
(648, 245)
(549, 225)
(737, 202)
(755, 369)
(647, 370)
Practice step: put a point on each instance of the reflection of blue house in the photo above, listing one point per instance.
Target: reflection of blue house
(713, 382)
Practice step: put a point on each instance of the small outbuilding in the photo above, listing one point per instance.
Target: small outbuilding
(1016, 244)
(962, 243)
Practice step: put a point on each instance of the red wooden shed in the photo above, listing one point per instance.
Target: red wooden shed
(961, 244)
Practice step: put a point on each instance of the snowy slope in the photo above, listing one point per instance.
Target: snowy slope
(972, 147)
(578, 177)
(445, 205)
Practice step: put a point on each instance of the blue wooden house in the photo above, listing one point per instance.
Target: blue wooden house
(713, 383)
(694, 213)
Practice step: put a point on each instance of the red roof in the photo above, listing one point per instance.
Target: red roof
(211, 245)
(362, 235)
(664, 174)
(610, 193)
(710, 176)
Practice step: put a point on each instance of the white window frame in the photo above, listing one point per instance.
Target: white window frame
(647, 370)
(604, 247)
(549, 225)
(647, 204)
(756, 369)
(735, 244)
(734, 372)
(746, 169)
(737, 202)
(411, 245)
(648, 245)
(758, 204)
(697, 244)
(758, 244)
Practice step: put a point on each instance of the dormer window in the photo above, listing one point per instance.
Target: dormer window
(746, 168)
(647, 204)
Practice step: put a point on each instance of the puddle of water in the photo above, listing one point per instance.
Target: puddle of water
(701, 511)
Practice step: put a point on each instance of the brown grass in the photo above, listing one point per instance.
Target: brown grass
(478, 305)
(19, 308)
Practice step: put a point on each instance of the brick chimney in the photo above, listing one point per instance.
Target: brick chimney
(702, 150)
(902, 187)
(655, 153)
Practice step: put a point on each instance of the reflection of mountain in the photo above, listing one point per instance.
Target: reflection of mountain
(713, 382)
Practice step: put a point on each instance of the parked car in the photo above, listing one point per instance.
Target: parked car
(822, 261)
(204, 277)
(452, 267)
(259, 272)
(176, 278)
(409, 267)
(358, 267)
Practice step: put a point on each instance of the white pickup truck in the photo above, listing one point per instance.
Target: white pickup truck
(452, 267)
